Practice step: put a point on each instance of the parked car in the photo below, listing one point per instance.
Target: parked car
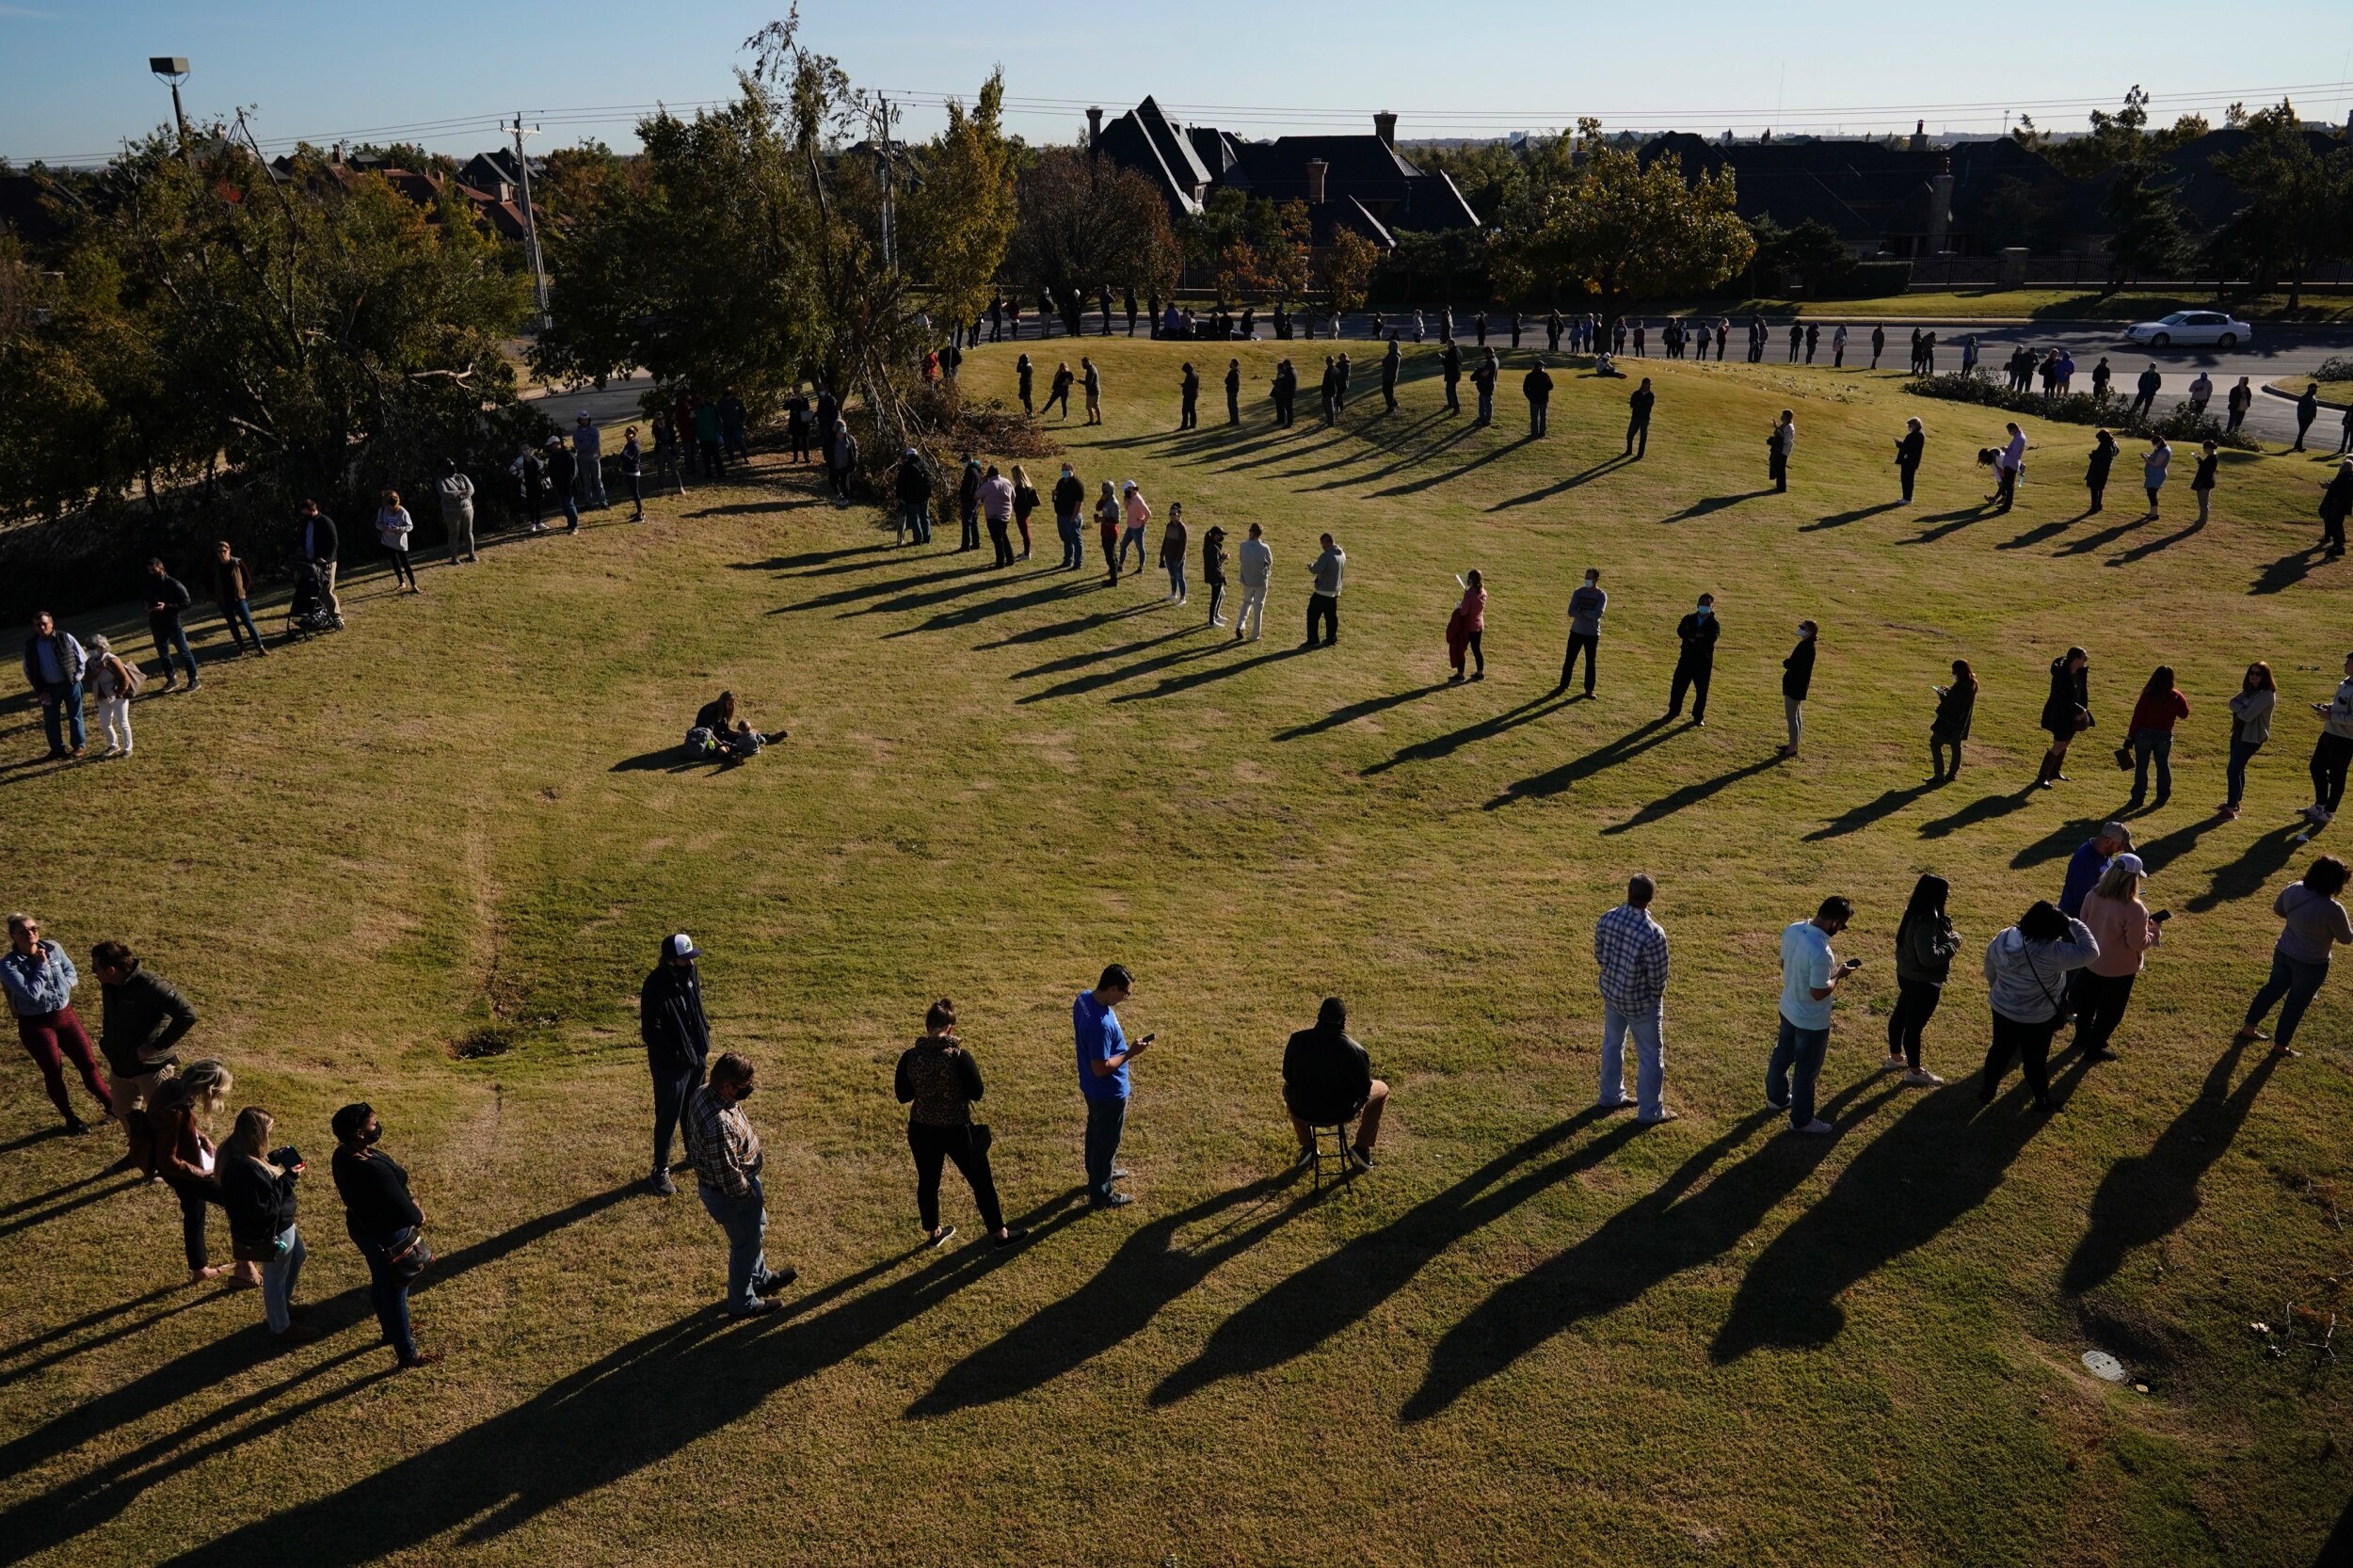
(2191, 327)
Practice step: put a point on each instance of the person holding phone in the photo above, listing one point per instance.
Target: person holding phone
(938, 1081)
(2125, 930)
(1104, 1052)
(1810, 973)
(1956, 705)
(257, 1188)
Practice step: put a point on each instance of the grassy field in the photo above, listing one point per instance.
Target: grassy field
(1533, 1334)
(2338, 392)
(2045, 304)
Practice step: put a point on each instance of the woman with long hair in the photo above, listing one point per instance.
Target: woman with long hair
(177, 1116)
(2065, 711)
(2125, 930)
(2026, 966)
(385, 1225)
(2096, 470)
(938, 1081)
(2153, 468)
(2160, 706)
(1024, 502)
(1106, 524)
(2316, 923)
(1466, 629)
(2250, 726)
(259, 1194)
(393, 528)
(1925, 944)
(1956, 705)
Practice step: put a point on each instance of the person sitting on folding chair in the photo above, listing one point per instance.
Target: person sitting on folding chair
(1327, 1080)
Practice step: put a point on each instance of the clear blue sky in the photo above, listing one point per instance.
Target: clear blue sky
(74, 78)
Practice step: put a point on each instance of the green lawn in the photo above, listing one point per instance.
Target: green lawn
(2330, 392)
(1531, 1336)
(2043, 304)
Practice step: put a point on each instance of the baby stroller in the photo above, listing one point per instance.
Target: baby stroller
(307, 614)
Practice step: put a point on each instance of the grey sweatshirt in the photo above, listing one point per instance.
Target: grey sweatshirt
(2024, 980)
(1332, 566)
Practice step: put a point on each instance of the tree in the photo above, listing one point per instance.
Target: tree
(959, 215)
(1599, 219)
(2295, 203)
(2149, 232)
(1086, 224)
(2017, 214)
(1347, 266)
(2116, 139)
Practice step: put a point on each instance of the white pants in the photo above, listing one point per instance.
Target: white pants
(1252, 612)
(113, 712)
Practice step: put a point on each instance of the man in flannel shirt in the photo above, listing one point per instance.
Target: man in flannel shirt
(1630, 950)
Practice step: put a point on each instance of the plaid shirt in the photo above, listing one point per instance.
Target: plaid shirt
(1630, 947)
(720, 1142)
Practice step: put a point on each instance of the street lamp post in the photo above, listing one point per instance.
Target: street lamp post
(174, 70)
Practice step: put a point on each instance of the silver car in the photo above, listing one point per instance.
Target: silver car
(2191, 327)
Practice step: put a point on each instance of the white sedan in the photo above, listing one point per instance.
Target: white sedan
(2191, 327)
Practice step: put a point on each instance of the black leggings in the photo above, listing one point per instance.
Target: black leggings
(2100, 1002)
(194, 1196)
(933, 1144)
(402, 571)
(2330, 755)
(1915, 1005)
(2031, 1045)
(1937, 744)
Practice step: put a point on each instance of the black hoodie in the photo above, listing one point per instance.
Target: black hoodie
(670, 1016)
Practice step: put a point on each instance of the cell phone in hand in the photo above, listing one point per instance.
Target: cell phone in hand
(1148, 1039)
(1854, 964)
(2162, 915)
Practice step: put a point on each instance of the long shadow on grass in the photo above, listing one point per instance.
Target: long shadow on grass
(1342, 1287)
(989, 577)
(2146, 1197)
(1609, 755)
(1940, 1159)
(1071, 628)
(873, 590)
(971, 615)
(1840, 520)
(2035, 536)
(1097, 656)
(1583, 476)
(635, 1407)
(1715, 504)
(1151, 1269)
(1487, 728)
(65, 1206)
(2142, 551)
(2091, 542)
(817, 558)
(2287, 571)
(2058, 844)
(1862, 816)
(1985, 808)
(33, 1364)
(1952, 522)
(1081, 684)
(1430, 481)
(1355, 711)
(62, 1190)
(2249, 875)
(163, 1385)
(1667, 1232)
(1172, 684)
(1691, 794)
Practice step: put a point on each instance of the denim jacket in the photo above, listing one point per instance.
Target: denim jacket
(38, 989)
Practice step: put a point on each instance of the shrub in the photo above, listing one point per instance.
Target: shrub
(2179, 424)
(2338, 369)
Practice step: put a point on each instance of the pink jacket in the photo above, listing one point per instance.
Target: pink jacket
(2124, 932)
(1139, 510)
(1473, 610)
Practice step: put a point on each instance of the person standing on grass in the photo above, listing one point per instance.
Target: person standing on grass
(2336, 503)
(1467, 627)
(939, 1082)
(668, 465)
(2089, 863)
(2251, 708)
(725, 1155)
(1483, 381)
(633, 472)
(911, 487)
(1058, 391)
(1925, 941)
(1327, 1079)
(1070, 498)
(39, 981)
(1909, 447)
(1256, 560)
(1213, 571)
(384, 1223)
(1233, 391)
(166, 597)
(710, 437)
(2160, 707)
(1797, 680)
(1956, 705)
(1107, 525)
(1639, 404)
(1537, 385)
(1189, 398)
(2065, 712)
(54, 664)
(2125, 931)
(113, 683)
(1329, 392)
(2307, 411)
(588, 451)
(996, 502)
(142, 1017)
(1392, 361)
(1587, 605)
(1135, 517)
(2315, 922)
(2028, 968)
(177, 1121)
(455, 491)
(2096, 471)
(968, 504)
(2201, 483)
(2332, 752)
(1450, 373)
(563, 478)
(257, 1193)
(841, 462)
(1809, 976)
(1284, 392)
(1778, 446)
(1025, 500)
(1093, 379)
(2009, 461)
(1695, 664)
(233, 585)
(1026, 373)
(1630, 953)
(677, 1035)
(2237, 401)
(393, 528)
(2155, 469)
(1327, 570)
(1104, 1052)
(1174, 543)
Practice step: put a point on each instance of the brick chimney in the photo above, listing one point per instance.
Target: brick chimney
(1919, 136)
(1384, 126)
(1316, 169)
(1941, 209)
(1094, 128)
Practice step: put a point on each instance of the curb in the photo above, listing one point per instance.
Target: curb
(2269, 390)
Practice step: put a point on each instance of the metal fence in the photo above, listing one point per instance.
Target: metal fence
(1963, 272)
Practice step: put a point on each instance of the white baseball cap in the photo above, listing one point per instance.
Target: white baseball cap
(681, 946)
(2130, 862)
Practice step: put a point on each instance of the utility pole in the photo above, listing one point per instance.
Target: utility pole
(530, 222)
(890, 206)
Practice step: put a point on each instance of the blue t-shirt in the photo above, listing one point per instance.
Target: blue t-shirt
(1806, 962)
(1099, 1040)
(2083, 873)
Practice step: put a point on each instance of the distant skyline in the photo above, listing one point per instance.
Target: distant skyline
(73, 83)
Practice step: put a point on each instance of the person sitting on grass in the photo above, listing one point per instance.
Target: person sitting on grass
(1327, 1080)
(731, 737)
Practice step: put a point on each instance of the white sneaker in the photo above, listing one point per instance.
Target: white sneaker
(2323, 816)
(1817, 1126)
(1920, 1077)
(1893, 1065)
(1217, 620)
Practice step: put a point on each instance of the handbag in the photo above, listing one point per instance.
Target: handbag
(407, 1254)
(979, 1138)
(2124, 758)
(269, 1251)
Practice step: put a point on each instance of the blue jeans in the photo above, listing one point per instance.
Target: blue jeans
(1106, 1120)
(235, 615)
(61, 708)
(388, 1293)
(2293, 979)
(969, 513)
(2146, 745)
(746, 1220)
(915, 517)
(170, 640)
(1177, 575)
(1132, 537)
(1797, 1063)
(277, 1282)
(2242, 752)
(571, 512)
(673, 1086)
(1074, 553)
(1650, 1059)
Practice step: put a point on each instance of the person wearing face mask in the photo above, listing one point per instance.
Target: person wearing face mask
(385, 1225)
(1809, 976)
(1797, 679)
(676, 1033)
(1070, 498)
(726, 1153)
(1695, 666)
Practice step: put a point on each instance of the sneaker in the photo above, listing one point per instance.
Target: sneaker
(422, 1358)
(1110, 1200)
(1816, 1127)
(1307, 1157)
(1776, 1105)
(940, 1238)
(1893, 1065)
(778, 1279)
(1920, 1077)
(660, 1184)
(760, 1307)
(1663, 1116)
(199, 686)
(1121, 1172)
(1013, 1236)
(296, 1333)
(76, 1128)
(2321, 814)
(1361, 1159)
